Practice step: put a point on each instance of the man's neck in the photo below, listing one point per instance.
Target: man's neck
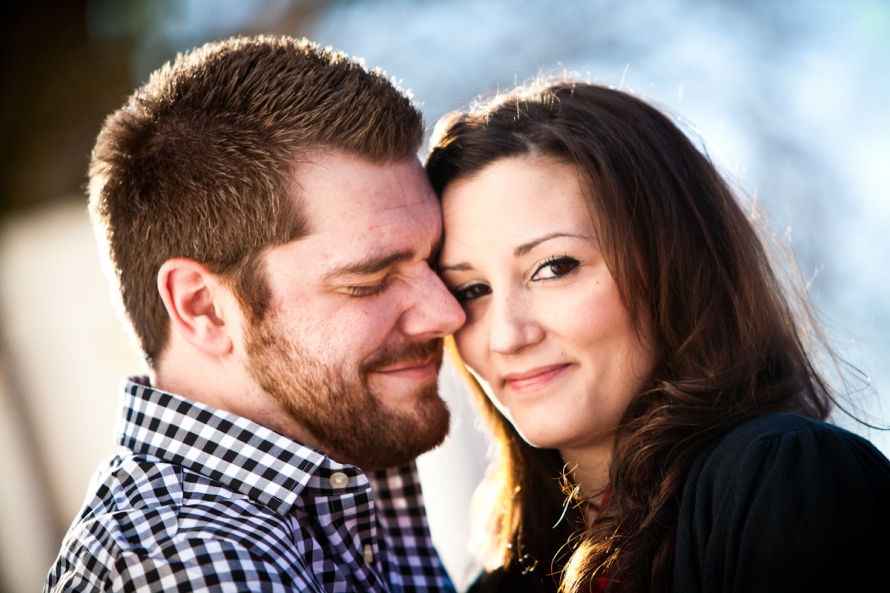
(225, 384)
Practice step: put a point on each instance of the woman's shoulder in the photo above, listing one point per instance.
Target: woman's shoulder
(783, 424)
(512, 580)
(782, 456)
(786, 500)
(771, 426)
(771, 441)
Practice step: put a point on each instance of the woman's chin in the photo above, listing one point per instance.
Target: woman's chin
(539, 438)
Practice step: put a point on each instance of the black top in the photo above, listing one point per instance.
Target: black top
(781, 503)
(785, 503)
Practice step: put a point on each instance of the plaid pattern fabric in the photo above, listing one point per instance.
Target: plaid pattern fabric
(204, 500)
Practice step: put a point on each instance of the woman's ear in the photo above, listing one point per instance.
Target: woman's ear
(196, 304)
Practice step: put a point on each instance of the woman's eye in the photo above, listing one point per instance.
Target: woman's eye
(364, 291)
(472, 292)
(555, 267)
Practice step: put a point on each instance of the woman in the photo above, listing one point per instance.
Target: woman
(650, 385)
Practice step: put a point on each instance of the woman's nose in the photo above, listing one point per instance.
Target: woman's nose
(514, 325)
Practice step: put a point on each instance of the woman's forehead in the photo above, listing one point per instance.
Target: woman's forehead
(518, 198)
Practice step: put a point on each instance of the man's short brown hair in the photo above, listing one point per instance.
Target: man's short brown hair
(199, 162)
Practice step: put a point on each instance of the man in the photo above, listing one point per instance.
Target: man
(270, 231)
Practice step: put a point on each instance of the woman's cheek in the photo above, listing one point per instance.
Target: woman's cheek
(471, 344)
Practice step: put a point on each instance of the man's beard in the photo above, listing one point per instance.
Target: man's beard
(337, 405)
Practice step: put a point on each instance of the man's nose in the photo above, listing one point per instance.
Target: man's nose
(434, 313)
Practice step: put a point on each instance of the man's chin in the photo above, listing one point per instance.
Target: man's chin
(401, 436)
(373, 419)
(403, 393)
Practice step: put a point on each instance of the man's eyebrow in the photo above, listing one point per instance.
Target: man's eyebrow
(461, 267)
(526, 247)
(371, 264)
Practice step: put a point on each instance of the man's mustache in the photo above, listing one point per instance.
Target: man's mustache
(407, 354)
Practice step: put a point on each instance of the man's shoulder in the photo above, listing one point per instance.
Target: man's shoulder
(142, 511)
(134, 488)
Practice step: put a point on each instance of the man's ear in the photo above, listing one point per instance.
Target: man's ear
(196, 303)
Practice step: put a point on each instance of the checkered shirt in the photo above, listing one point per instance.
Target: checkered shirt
(204, 500)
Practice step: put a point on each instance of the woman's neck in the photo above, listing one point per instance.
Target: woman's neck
(588, 467)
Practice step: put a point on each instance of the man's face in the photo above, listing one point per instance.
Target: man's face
(352, 342)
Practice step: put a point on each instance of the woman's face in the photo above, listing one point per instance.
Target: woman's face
(546, 329)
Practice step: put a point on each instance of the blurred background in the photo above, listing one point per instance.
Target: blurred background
(790, 100)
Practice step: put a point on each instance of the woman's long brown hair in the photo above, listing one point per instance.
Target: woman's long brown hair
(731, 344)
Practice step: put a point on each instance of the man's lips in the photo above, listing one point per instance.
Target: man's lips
(417, 369)
(534, 378)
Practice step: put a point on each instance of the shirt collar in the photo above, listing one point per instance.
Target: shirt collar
(245, 456)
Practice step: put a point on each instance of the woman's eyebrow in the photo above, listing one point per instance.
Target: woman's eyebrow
(519, 251)
(526, 247)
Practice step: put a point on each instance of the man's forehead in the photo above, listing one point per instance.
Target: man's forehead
(339, 192)
(400, 240)
(377, 214)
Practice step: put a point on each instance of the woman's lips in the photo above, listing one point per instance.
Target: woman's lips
(534, 378)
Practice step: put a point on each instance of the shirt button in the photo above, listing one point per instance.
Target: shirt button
(368, 553)
(339, 480)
